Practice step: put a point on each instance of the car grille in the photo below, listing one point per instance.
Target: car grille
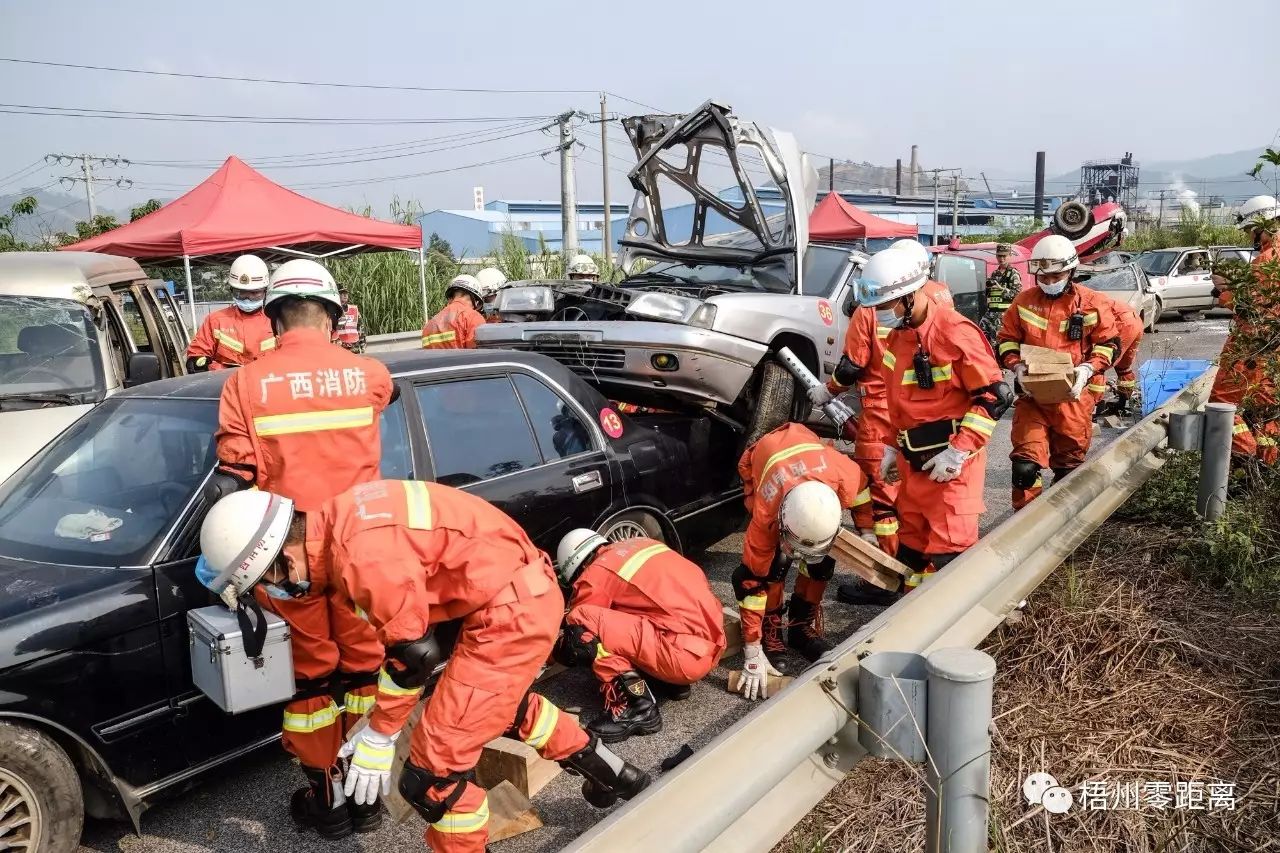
(579, 356)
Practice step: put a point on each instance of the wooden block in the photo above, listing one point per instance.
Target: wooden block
(510, 813)
(1044, 360)
(851, 543)
(776, 682)
(508, 760)
(732, 632)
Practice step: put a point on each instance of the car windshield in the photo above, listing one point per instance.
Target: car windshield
(1157, 263)
(1113, 280)
(824, 268)
(91, 499)
(770, 277)
(48, 352)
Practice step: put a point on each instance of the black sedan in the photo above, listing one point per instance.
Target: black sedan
(99, 534)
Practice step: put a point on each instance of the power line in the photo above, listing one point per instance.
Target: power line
(24, 172)
(363, 181)
(148, 115)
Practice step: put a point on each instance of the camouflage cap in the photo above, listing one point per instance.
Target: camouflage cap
(1004, 249)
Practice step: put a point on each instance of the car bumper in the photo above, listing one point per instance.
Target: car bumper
(711, 365)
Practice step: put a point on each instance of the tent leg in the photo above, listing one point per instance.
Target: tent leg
(191, 294)
(422, 282)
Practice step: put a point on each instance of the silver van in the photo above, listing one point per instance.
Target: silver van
(76, 327)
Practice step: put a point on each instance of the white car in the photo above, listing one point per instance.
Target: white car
(1182, 278)
(1127, 284)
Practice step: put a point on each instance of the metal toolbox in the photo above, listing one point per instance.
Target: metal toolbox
(223, 670)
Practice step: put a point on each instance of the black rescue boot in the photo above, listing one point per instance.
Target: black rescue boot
(607, 776)
(667, 690)
(805, 632)
(629, 709)
(861, 592)
(771, 638)
(365, 818)
(321, 805)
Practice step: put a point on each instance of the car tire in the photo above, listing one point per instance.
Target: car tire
(1072, 220)
(632, 524)
(41, 803)
(1191, 316)
(1156, 314)
(775, 401)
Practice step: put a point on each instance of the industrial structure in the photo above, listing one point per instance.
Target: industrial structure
(1111, 179)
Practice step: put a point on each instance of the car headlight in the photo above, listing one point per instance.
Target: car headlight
(664, 306)
(704, 317)
(525, 300)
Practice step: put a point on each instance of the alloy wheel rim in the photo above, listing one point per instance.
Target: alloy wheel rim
(626, 530)
(20, 821)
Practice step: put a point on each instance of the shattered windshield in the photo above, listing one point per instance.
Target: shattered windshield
(1122, 279)
(768, 277)
(1157, 263)
(48, 352)
(89, 500)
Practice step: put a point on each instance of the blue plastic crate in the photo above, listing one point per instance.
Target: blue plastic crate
(1161, 378)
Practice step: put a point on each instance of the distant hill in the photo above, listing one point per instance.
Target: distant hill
(869, 178)
(57, 212)
(1222, 175)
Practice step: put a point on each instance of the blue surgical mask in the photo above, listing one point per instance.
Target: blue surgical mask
(275, 591)
(205, 574)
(887, 318)
(1053, 289)
(248, 306)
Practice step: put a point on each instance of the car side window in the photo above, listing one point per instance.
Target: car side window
(397, 455)
(134, 323)
(476, 430)
(560, 432)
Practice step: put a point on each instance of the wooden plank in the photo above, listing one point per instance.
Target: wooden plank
(510, 813)
(776, 682)
(850, 543)
(507, 760)
(732, 632)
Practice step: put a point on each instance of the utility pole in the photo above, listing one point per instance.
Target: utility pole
(990, 194)
(955, 206)
(897, 183)
(604, 172)
(831, 174)
(1160, 216)
(568, 202)
(936, 220)
(87, 162)
(1039, 214)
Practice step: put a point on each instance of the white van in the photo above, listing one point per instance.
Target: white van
(76, 327)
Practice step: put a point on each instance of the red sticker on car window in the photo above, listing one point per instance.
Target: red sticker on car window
(824, 311)
(611, 423)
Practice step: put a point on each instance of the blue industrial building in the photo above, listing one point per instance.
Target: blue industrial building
(477, 233)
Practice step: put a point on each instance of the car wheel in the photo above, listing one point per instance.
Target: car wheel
(632, 524)
(1072, 220)
(1191, 316)
(775, 399)
(1155, 316)
(41, 804)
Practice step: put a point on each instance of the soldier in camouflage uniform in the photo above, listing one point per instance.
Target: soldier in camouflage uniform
(1002, 285)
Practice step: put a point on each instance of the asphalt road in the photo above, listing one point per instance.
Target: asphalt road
(244, 806)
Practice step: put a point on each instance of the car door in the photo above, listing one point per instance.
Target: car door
(521, 444)
(966, 279)
(1190, 281)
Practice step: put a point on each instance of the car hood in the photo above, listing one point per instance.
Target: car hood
(27, 430)
(670, 151)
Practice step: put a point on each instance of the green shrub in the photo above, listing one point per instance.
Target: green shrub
(1168, 498)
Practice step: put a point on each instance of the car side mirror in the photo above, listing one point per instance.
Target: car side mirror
(143, 367)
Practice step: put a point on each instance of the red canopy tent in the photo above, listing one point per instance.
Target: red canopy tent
(237, 210)
(836, 219)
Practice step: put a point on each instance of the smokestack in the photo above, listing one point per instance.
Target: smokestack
(1039, 186)
(897, 186)
(915, 170)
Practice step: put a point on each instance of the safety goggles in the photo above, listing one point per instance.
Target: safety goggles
(809, 552)
(1036, 266)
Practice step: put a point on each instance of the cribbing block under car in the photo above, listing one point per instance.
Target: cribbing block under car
(1050, 374)
(867, 561)
(223, 669)
(1162, 378)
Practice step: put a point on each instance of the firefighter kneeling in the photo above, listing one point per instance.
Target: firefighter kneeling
(641, 617)
(407, 556)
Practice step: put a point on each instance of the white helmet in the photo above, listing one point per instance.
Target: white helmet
(467, 284)
(1259, 208)
(809, 520)
(917, 250)
(889, 275)
(248, 272)
(241, 537)
(490, 278)
(1053, 253)
(574, 550)
(582, 265)
(303, 279)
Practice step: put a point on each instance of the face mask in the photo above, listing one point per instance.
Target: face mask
(887, 318)
(292, 590)
(248, 306)
(1052, 289)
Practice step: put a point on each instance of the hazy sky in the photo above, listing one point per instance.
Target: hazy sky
(981, 85)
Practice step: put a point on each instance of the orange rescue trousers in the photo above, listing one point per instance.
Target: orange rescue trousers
(636, 643)
(938, 519)
(1050, 435)
(499, 653)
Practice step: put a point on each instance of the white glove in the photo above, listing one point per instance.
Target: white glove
(371, 754)
(869, 537)
(819, 395)
(839, 412)
(1083, 374)
(889, 466)
(1019, 370)
(946, 465)
(755, 672)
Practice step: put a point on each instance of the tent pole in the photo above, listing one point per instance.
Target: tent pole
(422, 282)
(191, 294)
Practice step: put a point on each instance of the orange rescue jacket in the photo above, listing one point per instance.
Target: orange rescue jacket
(1035, 318)
(453, 328)
(230, 338)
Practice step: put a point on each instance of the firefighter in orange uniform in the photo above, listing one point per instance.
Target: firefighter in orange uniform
(640, 613)
(796, 489)
(1128, 324)
(348, 332)
(303, 423)
(945, 394)
(1242, 377)
(454, 327)
(1061, 315)
(407, 556)
(239, 333)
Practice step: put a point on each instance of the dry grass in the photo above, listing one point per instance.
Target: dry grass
(1120, 670)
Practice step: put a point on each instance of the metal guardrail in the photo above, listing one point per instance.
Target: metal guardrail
(392, 342)
(795, 747)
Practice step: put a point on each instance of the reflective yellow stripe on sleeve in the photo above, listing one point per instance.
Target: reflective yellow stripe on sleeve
(355, 703)
(1032, 318)
(864, 497)
(637, 560)
(755, 603)
(1097, 389)
(459, 822)
(1104, 351)
(313, 421)
(889, 359)
(313, 722)
(387, 687)
(268, 344)
(882, 332)
(782, 455)
(227, 341)
(978, 422)
(941, 373)
(1009, 346)
(439, 338)
(548, 716)
(887, 527)
(1090, 319)
(418, 503)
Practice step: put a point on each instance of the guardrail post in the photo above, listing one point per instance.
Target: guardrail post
(1215, 460)
(958, 773)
